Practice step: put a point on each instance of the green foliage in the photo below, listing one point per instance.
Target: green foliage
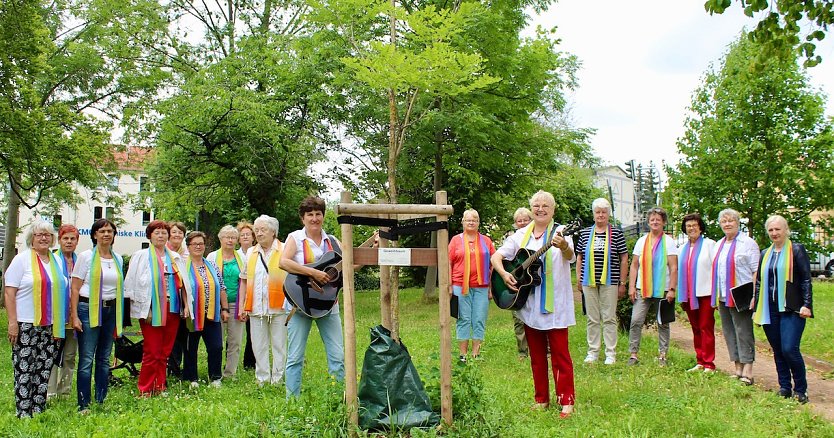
(757, 141)
(783, 24)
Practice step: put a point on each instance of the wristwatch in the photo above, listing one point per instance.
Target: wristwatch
(224, 309)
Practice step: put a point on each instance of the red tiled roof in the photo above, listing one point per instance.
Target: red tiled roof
(132, 157)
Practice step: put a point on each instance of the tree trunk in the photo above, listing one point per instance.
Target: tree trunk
(430, 288)
(12, 219)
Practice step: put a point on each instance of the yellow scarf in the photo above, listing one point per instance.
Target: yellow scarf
(277, 275)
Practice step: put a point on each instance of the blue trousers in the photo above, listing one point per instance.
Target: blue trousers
(94, 343)
(472, 313)
(784, 334)
(330, 329)
(212, 335)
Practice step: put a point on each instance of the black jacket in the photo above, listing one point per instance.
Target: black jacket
(801, 274)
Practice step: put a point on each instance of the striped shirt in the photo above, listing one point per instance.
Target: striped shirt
(618, 248)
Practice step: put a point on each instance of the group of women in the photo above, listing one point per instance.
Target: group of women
(53, 297)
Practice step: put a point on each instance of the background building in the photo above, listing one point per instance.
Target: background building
(620, 190)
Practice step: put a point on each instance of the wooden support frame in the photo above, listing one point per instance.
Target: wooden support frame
(439, 257)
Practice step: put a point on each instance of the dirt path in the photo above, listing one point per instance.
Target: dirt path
(820, 391)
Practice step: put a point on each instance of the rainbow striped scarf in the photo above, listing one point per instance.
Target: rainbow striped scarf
(784, 273)
(547, 289)
(64, 266)
(588, 277)
(50, 295)
(688, 273)
(653, 266)
(240, 291)
(730, 280)
(198, 288)
(482, 266)
(309, 255)
(160, 305)
(275, 283)
(96, 290)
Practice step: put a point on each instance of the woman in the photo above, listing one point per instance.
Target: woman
(176, 238)
(784, 284)
(175, 243)
(153, 284)
(601, 261)
(264, 302)
(469, 254)
(654, 274)
(521, 218)
(97, 309)
(306, 246)
(735, 262)
(208, 293)
(246, 239)
(695, 289)
(229, 265)
(548, 312)
(60, 380)
(34, 285)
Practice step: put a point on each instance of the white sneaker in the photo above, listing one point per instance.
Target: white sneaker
(697, 367)
(215, 383)
(195, 385)
(590, 359)
(610, 360)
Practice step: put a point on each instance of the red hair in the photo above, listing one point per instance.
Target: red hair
(67, 228)
(154, 225)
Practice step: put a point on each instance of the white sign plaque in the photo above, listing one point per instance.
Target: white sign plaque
(395, 256)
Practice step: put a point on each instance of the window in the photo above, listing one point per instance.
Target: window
(146, 217)
(145, 245)
(113, 182)
(143, 184)
(57, 221)
(109, 213)
(97, 213)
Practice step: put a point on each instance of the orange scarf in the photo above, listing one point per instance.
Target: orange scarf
(275, 285)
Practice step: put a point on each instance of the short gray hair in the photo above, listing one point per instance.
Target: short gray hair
(730, 213)
(270, 222)
(471, 212)
(777, 217)
(228, 230)
(542, 195)
(601, 203)
(39, 226)
(522, 211)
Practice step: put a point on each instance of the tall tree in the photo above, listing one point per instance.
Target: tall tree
(758, 141)
(68, 69)
(796, 24)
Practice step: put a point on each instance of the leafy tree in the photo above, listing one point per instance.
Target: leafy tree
(782, 26)
(67, 69)
(757, 141)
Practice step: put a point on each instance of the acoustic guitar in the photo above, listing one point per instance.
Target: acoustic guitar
(316, 299)
(525, 269)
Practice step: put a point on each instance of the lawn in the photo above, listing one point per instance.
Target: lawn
(611, 401)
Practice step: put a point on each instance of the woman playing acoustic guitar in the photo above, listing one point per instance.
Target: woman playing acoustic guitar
(548, 312)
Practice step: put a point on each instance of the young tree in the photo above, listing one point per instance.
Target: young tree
(758, 141)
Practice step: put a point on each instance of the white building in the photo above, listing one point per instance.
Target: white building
(620, 188)
(124, 185)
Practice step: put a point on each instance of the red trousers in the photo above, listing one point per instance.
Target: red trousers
(702, 321)
(155, 351)
(537, 340)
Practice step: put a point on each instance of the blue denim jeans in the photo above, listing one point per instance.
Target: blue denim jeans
(212, 335)
(784, 334)
(472, 313)
(330, 329)
(94, 343)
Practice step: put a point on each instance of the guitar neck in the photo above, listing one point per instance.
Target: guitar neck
(526, 264)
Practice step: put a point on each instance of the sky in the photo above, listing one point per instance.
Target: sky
(641, 63)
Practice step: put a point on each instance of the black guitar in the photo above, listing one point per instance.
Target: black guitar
(316, 299)
(525, 269)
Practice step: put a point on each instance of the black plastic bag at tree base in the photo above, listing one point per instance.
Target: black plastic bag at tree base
(391, 394)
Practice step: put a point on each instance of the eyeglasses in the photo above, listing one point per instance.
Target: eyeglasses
(196, 244)
(42, 235)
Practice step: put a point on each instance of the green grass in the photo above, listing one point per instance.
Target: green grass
(611, 401)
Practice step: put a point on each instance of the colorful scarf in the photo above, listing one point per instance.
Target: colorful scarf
(482, 265)
(49, 294)
(588, 271)
(159, 296)
(653, 266)
(546, 288)
(240, 294)
(309, 255)
(730, 280)
(688, 273)
(198, 288)
(784, 272)
(64, 267)
(95, 298)
(275, 285)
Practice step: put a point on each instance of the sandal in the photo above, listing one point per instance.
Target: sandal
(746, 380)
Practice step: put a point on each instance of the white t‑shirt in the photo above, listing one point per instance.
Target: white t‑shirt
(671, 250)
(109, 274)
(19, 275)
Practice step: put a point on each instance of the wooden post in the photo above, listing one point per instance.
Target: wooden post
(385, 289)
(349, 314)
(445, 329)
